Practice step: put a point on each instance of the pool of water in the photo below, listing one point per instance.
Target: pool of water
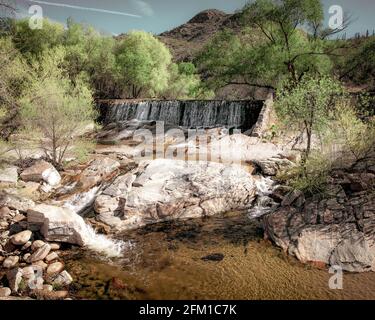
(221, 257)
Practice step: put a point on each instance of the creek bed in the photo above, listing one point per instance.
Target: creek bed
(221, 257)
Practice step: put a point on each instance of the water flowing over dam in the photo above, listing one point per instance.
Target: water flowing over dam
(189, 113)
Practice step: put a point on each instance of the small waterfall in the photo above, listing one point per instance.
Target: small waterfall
(189, 113)
(99, 243)
(263, 203)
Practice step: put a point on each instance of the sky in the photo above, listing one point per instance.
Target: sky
(156, 16)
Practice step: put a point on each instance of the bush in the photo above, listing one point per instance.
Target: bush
(310, 176)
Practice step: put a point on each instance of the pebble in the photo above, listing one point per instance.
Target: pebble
(19, 218)
(37, 244)
(55, 267)
(5, 292)
(41, 253)
(10, 262)
(52, 256)
(47, 287)
(14, 277)
(21, 238)
(27, 245)
(54, 246)
(64, 279)
(26, 257)
(5, 213)
(41, 264)
(4, 225)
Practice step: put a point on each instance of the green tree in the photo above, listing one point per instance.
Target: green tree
(54, 107)
(92, 54)
(15, 74)
(33, 42)
(307, 106)
(185, 83)
(143, 62)
(281, 39)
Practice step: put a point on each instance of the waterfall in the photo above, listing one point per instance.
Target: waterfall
(189, 113)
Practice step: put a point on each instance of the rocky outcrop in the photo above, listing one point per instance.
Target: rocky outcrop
(42, 171)
(79, 190)
(163, 189)
(336, 229)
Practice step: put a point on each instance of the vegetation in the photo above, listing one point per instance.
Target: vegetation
(307, 106)
(282, 40)
(54, 107)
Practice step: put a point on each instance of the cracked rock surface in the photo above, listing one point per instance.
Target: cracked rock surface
(335, 229)
(164, 189)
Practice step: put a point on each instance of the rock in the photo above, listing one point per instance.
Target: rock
(47, 287)
(165, 189)
(294, 196)
(37, 244)
(19, 218)
(55, 267)
(9, 175)
(40, 264)
(42, 171)
(15, 202)
(58, 295)
(40, 253)
(10, 262)
(26, 246)
(33, 276)
(4, 225)
(14, 277)
(213, 257)
(54, 246)
(5, 213)
(21, 238)
(52, 256)
(80, 196)
(58, 224)
(63, 279)
(335, 231)
(5, 292)
(272, 166)
(26, 257)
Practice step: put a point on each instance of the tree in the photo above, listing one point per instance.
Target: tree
(185, 83)
(54, 107)
(307, 106)
(143, 62)
(33, 42)
(15, 74)
(359, 65)
(281, 39)
(91, 53)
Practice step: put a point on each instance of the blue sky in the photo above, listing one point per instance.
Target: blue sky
(157, 16)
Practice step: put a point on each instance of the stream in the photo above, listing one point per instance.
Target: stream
(220, 257)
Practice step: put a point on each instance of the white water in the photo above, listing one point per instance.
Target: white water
(263, 203)
(99, 243)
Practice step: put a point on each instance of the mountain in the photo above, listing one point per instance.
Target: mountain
(186, 40)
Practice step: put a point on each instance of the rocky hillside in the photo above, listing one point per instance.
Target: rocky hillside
(186, 40)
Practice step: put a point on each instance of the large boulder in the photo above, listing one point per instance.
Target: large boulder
(57, 224)
(162, 189)
(42, 171)
(336, 230)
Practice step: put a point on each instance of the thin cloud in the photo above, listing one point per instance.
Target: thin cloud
(144, 7)
(64, 5)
